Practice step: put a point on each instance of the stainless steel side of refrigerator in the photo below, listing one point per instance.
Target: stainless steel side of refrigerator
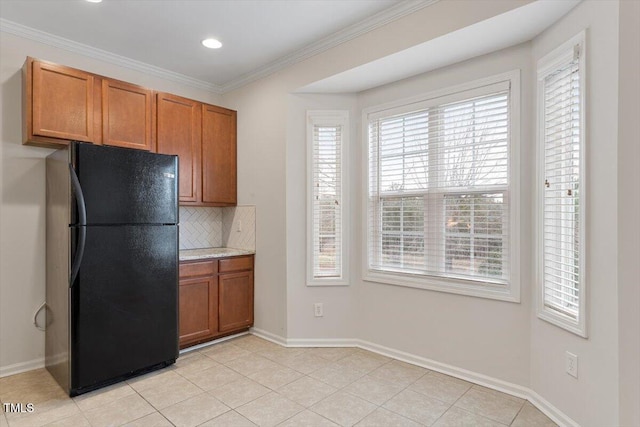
(112, 264)
(58, 248)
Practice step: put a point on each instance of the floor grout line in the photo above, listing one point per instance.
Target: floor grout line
(279, 359)
(518, 413)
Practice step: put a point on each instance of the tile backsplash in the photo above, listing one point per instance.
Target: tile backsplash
(200, 227)
(239, 227)
(204, 227)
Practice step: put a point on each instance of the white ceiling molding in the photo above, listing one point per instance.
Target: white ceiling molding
(92, 52)
(384, 17)
(498, 32)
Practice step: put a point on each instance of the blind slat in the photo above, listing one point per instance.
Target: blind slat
(327, 201)
(561, 211)
(426, 215)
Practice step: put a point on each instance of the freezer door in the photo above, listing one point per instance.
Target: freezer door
(124, 303)
(126, 186)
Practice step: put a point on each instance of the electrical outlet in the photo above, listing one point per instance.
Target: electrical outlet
(571, 364)
(239, 228)
(318, 310)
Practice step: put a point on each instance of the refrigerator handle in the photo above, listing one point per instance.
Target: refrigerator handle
(82, 222)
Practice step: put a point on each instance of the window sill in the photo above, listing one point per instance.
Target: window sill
(509, 293)
(328, 282)
(563, 322)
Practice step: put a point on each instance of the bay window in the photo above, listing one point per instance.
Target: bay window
(441, 211)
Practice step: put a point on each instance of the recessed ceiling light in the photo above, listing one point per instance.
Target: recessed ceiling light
(94, 1)
(211, 43)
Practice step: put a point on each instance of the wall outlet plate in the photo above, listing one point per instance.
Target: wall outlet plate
(571, 364)
(318, 309)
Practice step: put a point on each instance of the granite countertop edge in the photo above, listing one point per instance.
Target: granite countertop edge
(210, 253)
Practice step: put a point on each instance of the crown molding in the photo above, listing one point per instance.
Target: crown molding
(103, 55)
(397, 11)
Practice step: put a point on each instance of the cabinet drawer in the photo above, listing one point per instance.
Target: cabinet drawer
(203, 268)
(236, 264)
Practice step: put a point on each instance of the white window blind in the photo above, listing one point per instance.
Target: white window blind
(562, 193)
(326, 206)
(439, 188)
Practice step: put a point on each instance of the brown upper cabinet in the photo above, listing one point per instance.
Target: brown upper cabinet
(219, 156)
(127, 114)
(62, 104)
(204, 138)
(59, 104)
(179, 132)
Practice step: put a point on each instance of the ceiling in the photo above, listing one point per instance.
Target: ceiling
(163, 36)
(498, 32)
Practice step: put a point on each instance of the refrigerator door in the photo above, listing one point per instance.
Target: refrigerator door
(124, 303)
(125, 186)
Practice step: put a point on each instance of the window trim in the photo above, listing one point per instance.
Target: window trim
(546, 65)
(509, 292)
(328, 118)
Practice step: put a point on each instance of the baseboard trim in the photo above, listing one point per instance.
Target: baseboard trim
(210, 343)
(277, 339)
(556, 415)
(538, 401)
(464, 374)
(18, 368)
(321, 342)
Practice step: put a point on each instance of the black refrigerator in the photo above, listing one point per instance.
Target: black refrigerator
(112, 264)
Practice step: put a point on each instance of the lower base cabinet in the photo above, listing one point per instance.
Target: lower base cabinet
(216, 298)
(235, 291)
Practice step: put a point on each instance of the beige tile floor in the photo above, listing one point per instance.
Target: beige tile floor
(248, 381)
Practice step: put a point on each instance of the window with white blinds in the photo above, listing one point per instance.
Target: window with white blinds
(439, 199)
(561, 165)
(327, 214)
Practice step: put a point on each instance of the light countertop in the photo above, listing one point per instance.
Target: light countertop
(207, 253)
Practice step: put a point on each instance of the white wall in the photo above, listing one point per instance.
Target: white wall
(22, 181)
(261, 182)
(592, 399)
(264, 138)
(499, 339)
(628, 208)
(485, 336)
(338, 302)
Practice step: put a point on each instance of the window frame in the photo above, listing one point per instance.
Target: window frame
(545, 66)
(484, 289)
(328, 118)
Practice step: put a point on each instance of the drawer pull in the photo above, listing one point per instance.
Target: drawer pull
(206, 268)
(236, 264)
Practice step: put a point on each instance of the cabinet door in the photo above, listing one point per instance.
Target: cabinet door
(61, 104)
(235, 301)
(126, 115)
(219, 157)
(179, 122)
(198, 309)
